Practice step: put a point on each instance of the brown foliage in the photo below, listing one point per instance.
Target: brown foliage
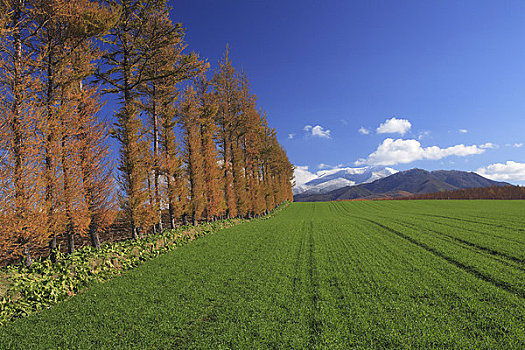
(208, 154)
(42, 121)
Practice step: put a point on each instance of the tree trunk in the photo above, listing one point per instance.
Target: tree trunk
(156, 160)
(194, 220)
(18, 178)
(93, 235)
(134, 230)
(53, 249)
(170, 209)
(49, 172)
(28, 260)
(70, 242)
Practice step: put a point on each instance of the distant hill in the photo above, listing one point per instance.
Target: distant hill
(405, 183)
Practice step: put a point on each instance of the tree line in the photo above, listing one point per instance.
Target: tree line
(193, 145)
(507, 192)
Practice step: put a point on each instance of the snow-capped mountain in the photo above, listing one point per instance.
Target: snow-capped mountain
(328, 180)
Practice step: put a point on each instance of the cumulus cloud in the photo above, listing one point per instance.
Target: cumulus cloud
(463, 131)
(302, 175)
(291, 136)
(518, 145)
(363, 131)
(509, 171)
(400, 151)
(394, 126)
(318, 131)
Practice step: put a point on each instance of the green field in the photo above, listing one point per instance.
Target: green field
(377, 274)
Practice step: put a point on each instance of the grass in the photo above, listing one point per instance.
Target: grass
(24, 290)
(385, 274)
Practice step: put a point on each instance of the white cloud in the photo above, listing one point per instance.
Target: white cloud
(291, 136)
(318, 131)
(423, 134)
(324, 166)
(302, 175)
(488, 145)
(363, 131)
(463, 131)
(400, 151)
(394, 126)
(518, 145)
(509, 171)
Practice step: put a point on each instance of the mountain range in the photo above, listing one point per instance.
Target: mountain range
(325, 181)
(401, 184)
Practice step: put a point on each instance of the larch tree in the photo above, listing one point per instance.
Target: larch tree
(95, 165)
(189, 114)
(238, 172)
(172, 166)
(65, 30)
(249, 143)
(238, 129)
(225, 87)
(89, 136)
(268, 162)
(92, 204)
(169, 155)
(215, 205)
(168, 67)
(125, 62)
(23, 226)
(50, 45)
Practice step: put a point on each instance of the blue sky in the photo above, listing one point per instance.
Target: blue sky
(452, 70)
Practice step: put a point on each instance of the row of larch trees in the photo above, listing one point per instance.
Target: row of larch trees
(191, 148)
